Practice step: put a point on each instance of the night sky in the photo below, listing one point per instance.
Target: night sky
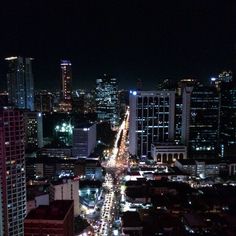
(151, 40)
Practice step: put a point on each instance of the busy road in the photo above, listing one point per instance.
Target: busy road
(115, 166)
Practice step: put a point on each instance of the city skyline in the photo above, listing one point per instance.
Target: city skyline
(118, 118)
(129, 40)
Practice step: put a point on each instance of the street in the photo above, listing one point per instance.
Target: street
(115, 166)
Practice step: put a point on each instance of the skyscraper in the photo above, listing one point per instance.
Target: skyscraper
(66, 86)
(152, 116)
(20, 84)
(12, 172)
(228, 116)
(107, 99)
(204, 120)
(44, 101)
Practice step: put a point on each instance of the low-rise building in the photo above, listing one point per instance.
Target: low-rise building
(55, 219)
(207, 167)
(168, 152)
(66, 189)
(131, 223)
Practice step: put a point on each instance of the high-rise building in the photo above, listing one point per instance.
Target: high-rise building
(185, 114)
(152, 115)
(20, 84)
(107, 99)
(44, 101)
(12, 172)
(84, 140)
(55, 219)
(227, 109)
(66, 86)
(33, 130)
(228, 116)
(204, 120)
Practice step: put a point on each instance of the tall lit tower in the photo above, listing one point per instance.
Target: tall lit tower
(20, 83)
(107, 99)
(203, 121)
(12, 172)
(66, 85)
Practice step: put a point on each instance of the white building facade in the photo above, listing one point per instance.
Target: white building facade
(152, 115)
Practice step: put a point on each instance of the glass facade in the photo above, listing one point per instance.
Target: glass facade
(107, 99)
(20, 83)
(204, 120)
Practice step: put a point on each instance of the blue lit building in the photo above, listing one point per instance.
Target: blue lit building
(20, 83)
(107, 99)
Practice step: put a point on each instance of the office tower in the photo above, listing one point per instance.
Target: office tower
(107, 99)
(66, 189)
(12, 171)
(20, 84)
(66, 86)
(167, 84)
(33, 124)
(204, 120)
(228, 116)
(178, 117)
(44, 101)
(84, 140)
(152, 116)
(55, 219)
(186, 114)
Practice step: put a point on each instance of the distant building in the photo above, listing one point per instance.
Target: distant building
(20, 83)
(33, 130)
(44, 101)
(185, 114)
(228, 116)
(107, 99)
(226, 76)
(63, 132)
(55, 219)
(66, 86)
(152, 115)
(66, 189)
(12, 172)
(84, 140)
(204, 120)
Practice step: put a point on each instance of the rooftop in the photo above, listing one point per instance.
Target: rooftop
(84, 125)
(57, 210)
(131, 219)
